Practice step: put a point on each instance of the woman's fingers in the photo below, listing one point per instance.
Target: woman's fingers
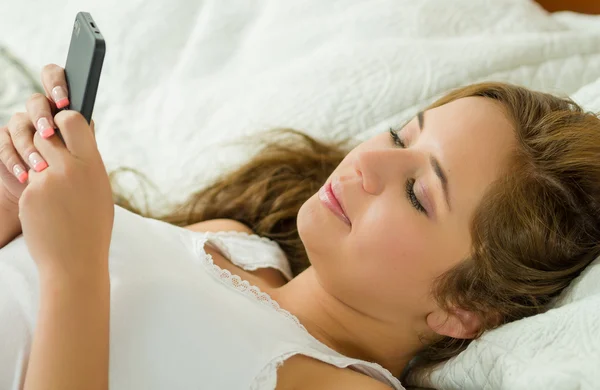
(21, 133)
(10, 158)
(53, 150)
(55, 85)
(77, 134)
(40, 114)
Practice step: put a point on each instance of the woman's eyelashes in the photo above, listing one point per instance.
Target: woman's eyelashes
(412, 198)
(410, 183)
(396, 138)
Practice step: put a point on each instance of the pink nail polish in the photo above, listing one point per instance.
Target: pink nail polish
(40, 166)
(22, 177)
(20, 173)
(47, 133)
(37, 162)
(62, 103)
(43, 126)
(60, 97)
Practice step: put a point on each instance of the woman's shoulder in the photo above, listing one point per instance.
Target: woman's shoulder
(220, 225)
(264, 278)
(303, 372)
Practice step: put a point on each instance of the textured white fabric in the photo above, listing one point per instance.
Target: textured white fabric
(589, 95)
(178, 321)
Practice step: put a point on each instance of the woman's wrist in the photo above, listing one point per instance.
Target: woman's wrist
(85, 278)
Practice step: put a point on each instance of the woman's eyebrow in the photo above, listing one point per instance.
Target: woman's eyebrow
(435, 164)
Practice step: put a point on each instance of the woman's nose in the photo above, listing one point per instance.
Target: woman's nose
(381, 167)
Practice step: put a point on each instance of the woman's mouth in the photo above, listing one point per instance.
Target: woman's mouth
(329, 200)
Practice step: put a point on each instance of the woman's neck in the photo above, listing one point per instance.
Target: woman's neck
(345, 329)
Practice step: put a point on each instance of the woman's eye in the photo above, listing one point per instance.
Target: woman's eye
(396, 138)
(410, 183)
(412, 198)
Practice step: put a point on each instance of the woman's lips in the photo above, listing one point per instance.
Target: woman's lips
(328, 198)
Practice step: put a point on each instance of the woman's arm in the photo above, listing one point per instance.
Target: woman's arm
(63, 205)
(67, 213)
(71, 341)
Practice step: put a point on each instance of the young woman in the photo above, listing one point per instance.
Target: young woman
(477, 212)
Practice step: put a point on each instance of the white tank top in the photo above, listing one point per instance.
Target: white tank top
(178, 321)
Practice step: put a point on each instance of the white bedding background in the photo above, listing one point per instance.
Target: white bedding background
(182, 77)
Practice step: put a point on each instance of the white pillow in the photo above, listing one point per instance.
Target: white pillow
(559, 349)
(555, 350)
(588, 96)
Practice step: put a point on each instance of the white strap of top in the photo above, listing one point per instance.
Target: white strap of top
(250, 251)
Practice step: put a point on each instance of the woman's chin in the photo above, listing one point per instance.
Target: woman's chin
(319, 229)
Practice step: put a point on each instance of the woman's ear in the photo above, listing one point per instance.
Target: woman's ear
(458, 323)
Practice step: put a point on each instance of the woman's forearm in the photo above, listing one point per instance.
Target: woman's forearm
(70, 348)
(10, 226)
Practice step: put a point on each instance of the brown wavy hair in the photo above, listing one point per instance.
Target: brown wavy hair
(536, 229)
(264, 194)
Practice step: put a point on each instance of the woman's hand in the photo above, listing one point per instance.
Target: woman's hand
(66, 209)
(16, 139)
(16, 146)
(17, 152)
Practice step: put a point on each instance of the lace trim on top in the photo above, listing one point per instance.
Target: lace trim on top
(253, 237)
(254, 292)
(242, 285)
(249, 263)
(267, 378)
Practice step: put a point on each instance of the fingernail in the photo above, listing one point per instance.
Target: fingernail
(37, 162)
(43, 126)
(20, 173)
(60, 97)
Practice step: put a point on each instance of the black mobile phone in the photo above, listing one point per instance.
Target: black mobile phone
(84, 64)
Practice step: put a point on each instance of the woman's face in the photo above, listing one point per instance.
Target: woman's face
(407, 205)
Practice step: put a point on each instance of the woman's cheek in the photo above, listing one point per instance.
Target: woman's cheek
(408, 246)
